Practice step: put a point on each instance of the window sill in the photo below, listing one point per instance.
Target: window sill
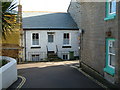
(109, 70)
(66, 46)
(112, 16)
(34, 47)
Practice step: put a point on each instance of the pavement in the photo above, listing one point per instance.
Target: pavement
(46, 64)
(52, 75)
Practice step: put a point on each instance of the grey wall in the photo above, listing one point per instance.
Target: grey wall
(74, 10)
(118, 60)
(92, 16)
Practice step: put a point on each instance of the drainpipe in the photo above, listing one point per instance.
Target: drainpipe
(81, 45)
(25, 43)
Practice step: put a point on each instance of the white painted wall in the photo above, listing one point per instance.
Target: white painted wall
(8, 72)
(58, 41)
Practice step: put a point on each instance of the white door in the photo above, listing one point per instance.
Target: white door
(51, 42)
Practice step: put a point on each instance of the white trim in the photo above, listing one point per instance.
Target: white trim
(53, 38)
(66, 53)
(35, 57)
(111, 7)
(69, 39)
(32, 40)
(110, 54)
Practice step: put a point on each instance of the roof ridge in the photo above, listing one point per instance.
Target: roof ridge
(45, 11)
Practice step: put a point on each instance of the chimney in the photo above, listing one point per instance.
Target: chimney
(19, 13)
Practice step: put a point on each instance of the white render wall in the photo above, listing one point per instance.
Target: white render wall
(8, 72)
(58, 41)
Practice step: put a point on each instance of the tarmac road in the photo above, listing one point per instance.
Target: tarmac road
(55, 76)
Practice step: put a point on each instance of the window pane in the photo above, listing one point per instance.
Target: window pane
(35, 57)
(112, 47)
(113, 6)
(65, 56)
(112, 60)
(66, 41)
(68, 35)
(66, 38)
(64, 35)
(35, 39)
(37, 36)
(33, 36)
(35, 42)
(111, 52)
(50, 38)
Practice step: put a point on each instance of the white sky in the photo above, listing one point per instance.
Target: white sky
(45, 5)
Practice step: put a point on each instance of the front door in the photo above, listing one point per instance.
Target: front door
(51, 42)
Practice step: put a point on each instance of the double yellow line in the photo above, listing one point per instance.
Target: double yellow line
(22, 82)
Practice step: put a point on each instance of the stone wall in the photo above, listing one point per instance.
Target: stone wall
(10, 50)
(118, 64)
(92, 22)
(74, 10)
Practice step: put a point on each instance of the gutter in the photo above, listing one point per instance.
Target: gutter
(50, 29)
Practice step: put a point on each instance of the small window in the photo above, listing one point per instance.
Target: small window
(110, 56)
(50, 38)
(66, 39)
(111, 53)
(112, 6)
(35, 57)
(110, 9)
(35, 39)
(65, 56)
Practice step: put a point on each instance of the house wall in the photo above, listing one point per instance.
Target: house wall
(75, 11)
(92, 16)
(44, 42)
(118, 60)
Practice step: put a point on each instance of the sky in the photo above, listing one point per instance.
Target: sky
(45, 5)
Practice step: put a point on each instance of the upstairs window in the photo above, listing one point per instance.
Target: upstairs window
(112, 6)
(110, 9)
(35, 39)
(66, 39)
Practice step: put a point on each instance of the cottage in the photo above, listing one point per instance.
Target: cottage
(100, 37)
(48, 34)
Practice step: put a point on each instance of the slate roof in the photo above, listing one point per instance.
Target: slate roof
(42, 20)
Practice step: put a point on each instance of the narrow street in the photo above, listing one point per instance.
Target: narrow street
(53, 75)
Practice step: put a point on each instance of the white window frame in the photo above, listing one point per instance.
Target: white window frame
(35, 55)
(69, 39)
(111, 7)
(110, 54)
(32, 40)
(65, 54)
(53, 38)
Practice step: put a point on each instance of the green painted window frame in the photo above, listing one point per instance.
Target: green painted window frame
(107, 68)
(108, 15)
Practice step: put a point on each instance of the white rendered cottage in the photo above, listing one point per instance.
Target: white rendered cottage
(46, 33)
